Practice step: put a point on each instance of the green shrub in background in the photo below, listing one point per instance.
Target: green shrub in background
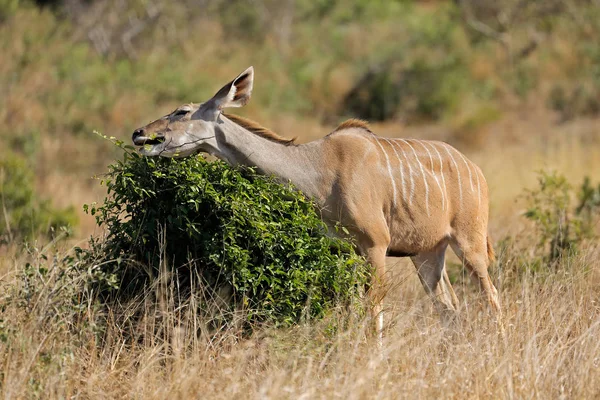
(560, 225)
(7, 8)
(588, 208)
(422, 75)
(563, 219)
(412, 61)
(22, 215)
(240, 233)
(549, 207)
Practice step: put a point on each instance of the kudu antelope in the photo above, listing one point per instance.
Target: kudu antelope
(397, 197)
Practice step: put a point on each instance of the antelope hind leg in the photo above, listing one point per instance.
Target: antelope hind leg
(431, 272)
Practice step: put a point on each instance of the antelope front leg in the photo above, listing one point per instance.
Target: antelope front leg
(376, 257)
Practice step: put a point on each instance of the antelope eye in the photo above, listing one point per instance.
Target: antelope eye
(181, 112)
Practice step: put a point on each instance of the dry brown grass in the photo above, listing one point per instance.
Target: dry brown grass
(550, 349)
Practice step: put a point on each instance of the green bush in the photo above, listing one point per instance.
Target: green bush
(560, 226)
(424, 75)
(563, 220)
(7, 8)
(548, 208)
(239, 232)
(579, 101)
(22, 215)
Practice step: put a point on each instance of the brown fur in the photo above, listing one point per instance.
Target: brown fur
(353, 123)
(259, 130)
(391, 209)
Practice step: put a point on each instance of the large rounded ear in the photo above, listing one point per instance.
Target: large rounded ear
(236, 93)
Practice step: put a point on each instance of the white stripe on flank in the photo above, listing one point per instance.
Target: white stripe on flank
(410, 172)
(424, 177)
(403, 180)
(389, 167)
(441, 167)
(469, 169)
(433, 173)
(447, 147)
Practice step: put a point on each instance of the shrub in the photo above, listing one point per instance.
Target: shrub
(579, 101)
(588, 207)
(239, 232)
(7, 8)
(557, 232)
(563, 220)
(560, 226)
(22, 215)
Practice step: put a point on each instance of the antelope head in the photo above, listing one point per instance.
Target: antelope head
(191, 127)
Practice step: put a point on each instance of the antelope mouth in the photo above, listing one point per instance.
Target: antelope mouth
(143, 140)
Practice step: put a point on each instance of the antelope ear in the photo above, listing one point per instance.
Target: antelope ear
(236, 93)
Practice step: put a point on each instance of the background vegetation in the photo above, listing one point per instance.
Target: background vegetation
(515, 84)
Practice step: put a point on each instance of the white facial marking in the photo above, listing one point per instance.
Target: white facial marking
(422, 143)
(389, 168)
(447, 147)
(402, 179)
(424, 176)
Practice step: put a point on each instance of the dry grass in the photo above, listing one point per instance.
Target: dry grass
(549, 350)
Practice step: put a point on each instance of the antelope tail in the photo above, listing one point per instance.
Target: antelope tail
(490, 250)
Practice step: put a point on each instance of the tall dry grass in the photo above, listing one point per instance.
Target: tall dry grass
(549, 350)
